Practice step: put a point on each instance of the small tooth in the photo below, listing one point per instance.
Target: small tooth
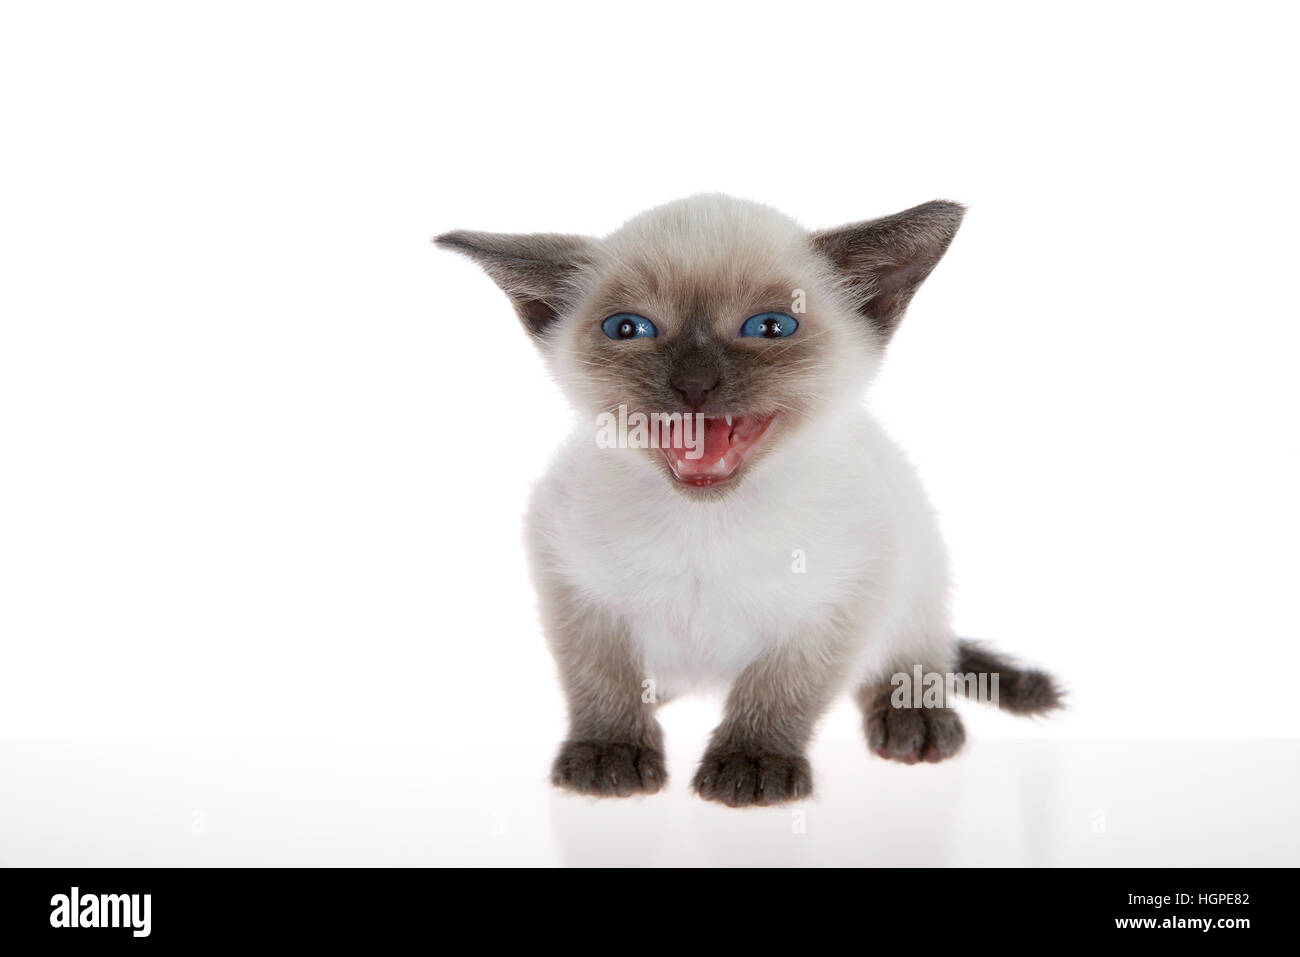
(728, 421)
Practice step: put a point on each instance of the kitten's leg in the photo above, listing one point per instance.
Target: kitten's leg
(615, 745)
(899, 731)
(756, 756)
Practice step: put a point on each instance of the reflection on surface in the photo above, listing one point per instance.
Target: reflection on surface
(1002, 802)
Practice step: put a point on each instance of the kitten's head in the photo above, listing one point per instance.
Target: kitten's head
(720, 307)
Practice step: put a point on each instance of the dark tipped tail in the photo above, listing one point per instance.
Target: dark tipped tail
(1020, 690)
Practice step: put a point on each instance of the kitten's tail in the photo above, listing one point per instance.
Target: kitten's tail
(1020, 690)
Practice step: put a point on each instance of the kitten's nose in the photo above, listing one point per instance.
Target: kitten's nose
(694, 387)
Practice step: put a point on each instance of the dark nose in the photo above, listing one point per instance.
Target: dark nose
(694, 387)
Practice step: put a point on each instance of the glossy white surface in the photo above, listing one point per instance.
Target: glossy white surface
(1008, 802)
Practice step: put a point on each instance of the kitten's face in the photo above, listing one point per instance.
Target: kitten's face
(715, 307)
(696, 280)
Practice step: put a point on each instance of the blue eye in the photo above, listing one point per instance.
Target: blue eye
(769, 325)
(627, 325)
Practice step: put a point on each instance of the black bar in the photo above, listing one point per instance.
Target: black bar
(374, 906)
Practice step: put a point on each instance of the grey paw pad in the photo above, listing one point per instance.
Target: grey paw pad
(740, 778)
(911, 735)
(608, 768)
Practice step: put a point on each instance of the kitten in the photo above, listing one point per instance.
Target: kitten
(788, 552)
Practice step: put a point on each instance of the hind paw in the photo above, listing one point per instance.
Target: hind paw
(911, 735)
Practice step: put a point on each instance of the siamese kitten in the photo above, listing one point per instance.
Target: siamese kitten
(780, 545)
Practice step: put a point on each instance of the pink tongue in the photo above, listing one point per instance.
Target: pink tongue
(717, 442)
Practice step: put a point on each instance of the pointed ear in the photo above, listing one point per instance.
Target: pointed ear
(884, 261)
(537, 271)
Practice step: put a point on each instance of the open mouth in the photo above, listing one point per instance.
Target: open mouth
(716, 455)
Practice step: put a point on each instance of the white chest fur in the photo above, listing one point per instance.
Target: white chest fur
(706, 587)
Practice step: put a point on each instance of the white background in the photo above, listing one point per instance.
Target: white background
(264, 450)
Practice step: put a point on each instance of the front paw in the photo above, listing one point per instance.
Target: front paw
(608, 768)
(914, 734)
(740, 778)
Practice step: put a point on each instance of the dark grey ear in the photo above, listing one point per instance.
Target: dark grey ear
(536, 270)
(885, 260)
